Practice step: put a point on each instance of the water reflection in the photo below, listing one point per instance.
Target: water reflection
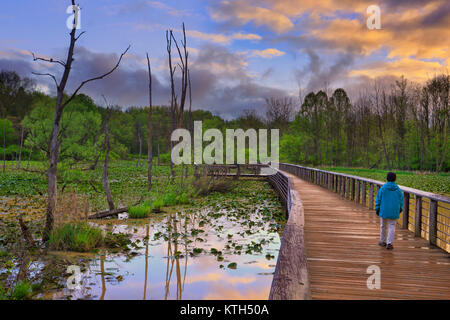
(172, 258)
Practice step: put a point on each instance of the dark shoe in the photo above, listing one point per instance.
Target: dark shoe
(389, 246)
(382, 244)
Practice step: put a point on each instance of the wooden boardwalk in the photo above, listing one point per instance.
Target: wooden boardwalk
(341, 239)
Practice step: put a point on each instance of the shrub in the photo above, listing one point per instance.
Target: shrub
(80, 237)
(140, 211)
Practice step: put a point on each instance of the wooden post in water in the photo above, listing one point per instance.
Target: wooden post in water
(432, 222)
(405, 217)
(370, 196)
(418, 217)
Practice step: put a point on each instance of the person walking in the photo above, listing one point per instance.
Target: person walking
(388, 205)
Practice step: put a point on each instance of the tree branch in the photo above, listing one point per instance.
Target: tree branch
(97, 78)
(51, 60)
(47, 74)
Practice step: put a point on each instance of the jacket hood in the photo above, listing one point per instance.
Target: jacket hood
(391, 186)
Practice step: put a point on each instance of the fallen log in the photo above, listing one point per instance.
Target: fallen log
(108, 213)
(26, 233)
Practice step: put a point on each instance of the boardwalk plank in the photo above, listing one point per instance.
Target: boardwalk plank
(341, 240)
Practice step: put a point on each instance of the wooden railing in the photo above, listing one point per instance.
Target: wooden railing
(290, 280)
(280, 182)
(424, 213)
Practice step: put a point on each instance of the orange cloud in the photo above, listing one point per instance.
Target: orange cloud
(412, 69)
(267, 53)
(240, 12)
(222, 38)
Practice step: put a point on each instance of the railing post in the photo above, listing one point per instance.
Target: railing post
(330, 182)
(405, 217)
(418, 217)
(358, 187)
(432, 222)
(347, 188)
(352, 182)
(363, 193)
(370, 196)
(378, 189)
(339, 184)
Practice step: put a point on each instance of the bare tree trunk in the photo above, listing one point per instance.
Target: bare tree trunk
(29, 157)
(149, 141)
(140, 147)
(105, 167)
(444, 149)
(20, 150)
(380, 130)
(159, 162)
(4, 145)
(54, 144)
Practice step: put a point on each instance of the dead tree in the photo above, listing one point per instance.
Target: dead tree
(21, 146)
(149, 141)
(177, 109)
(4, 144)
(105, 166)
(138, 131)
(61, 103)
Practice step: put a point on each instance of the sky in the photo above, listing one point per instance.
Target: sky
(240, 52)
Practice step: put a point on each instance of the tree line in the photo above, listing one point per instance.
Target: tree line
(401, 126)
(398, 125)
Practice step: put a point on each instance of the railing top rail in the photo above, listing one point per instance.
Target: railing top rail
(433, 196)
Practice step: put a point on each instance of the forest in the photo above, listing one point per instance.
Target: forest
(398, 125)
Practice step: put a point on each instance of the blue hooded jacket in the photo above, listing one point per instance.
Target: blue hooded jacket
(389, 201)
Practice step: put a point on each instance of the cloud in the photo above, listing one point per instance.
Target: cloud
(239, 12)
(267, 53)
(318, 75)
(414, 70)
(220, 80)
(170, 10)
(139, 6)
(222, 38)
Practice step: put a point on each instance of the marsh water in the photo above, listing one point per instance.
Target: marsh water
(221, 252)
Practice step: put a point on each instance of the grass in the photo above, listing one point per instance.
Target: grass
(143, 210)
(80, 237)
(426, 181)
(140, 211)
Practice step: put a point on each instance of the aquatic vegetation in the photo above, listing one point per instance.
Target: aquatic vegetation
(78, 236)
(140, 211)
(21, 291)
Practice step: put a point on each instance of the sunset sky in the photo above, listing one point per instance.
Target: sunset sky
(241, 51)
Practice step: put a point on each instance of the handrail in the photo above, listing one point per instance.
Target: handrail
(290, 280)
(436, 231)
(417, 192)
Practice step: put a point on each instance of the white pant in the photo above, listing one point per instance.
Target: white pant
(391, 230)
